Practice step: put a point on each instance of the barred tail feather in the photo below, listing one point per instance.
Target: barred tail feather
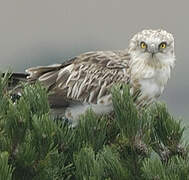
(47, 75)
(15, 78)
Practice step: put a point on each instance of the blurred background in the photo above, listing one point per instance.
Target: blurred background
(42, 32)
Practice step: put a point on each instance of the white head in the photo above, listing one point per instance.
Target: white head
(153, 47)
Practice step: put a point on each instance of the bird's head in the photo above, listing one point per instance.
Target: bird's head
(153, 47)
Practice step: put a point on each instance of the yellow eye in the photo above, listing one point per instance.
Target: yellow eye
(163, 45)
(143, 45)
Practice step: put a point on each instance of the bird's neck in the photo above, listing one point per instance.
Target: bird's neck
(150, 78)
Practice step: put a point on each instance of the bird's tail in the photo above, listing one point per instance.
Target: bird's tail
(15, 79)
(14, 85)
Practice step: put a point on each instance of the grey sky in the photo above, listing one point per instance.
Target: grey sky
(41, 32)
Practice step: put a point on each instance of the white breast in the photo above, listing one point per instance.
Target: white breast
(153, 84)
(150, 88)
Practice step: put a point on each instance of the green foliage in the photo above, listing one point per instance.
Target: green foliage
(103, 165)
(176, 169)
(6, 170)
(91, 130)
(128, 144)
(167, 133)
(167, 129)
(35, 98)
(4, 101)
(128, 120)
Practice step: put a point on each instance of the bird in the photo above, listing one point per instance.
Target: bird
(85, 81)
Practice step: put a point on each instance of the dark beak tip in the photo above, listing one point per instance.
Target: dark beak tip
(153, 54)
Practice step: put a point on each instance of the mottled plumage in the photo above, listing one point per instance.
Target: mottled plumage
(86, 80)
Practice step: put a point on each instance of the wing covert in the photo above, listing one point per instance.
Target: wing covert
(85, 78)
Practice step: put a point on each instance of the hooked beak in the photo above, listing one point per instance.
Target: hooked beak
(152, 49)
(153, 54)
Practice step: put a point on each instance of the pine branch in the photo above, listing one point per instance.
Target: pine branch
(6, 170)
(103, 165)
(91, 130)
(167, 133)
(176, 169)
(116, 146)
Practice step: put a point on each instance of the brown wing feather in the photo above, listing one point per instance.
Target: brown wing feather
(86, 78)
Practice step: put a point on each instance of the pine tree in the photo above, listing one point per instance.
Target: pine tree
(145, 144)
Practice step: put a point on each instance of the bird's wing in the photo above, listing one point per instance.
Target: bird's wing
(85, 78)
